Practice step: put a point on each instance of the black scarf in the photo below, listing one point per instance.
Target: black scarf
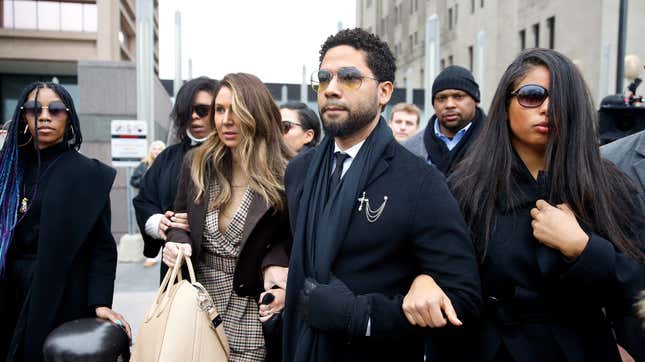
(320, 229)
(438, 152)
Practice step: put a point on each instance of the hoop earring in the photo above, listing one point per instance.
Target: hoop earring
(26, 143)
(26, 129)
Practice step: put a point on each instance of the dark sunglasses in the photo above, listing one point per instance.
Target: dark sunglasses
(202, 110)
(287, 125)
(32, 109)
(531, 95)
(349, 77)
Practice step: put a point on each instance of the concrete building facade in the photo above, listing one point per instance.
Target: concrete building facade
(89, 47)
(486, 35)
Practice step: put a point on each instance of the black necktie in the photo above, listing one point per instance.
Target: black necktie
(334, 181)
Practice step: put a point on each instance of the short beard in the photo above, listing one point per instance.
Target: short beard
(356, 121)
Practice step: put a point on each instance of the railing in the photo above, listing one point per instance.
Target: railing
(48, 15)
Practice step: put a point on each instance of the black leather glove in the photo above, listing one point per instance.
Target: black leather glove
(334, 308)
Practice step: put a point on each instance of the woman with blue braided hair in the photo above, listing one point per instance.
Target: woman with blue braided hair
(57, 254)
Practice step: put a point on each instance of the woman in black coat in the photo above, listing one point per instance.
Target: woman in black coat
(58, 256)
(559, 230)
(158, 187)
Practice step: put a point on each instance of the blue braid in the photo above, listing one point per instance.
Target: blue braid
(11, 175)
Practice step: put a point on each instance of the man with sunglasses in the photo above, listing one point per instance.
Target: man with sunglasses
(456, 122)
(367, 216)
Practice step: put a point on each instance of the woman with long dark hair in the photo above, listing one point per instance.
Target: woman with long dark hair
(233, 191)
(57, 253)
(558, 230)
(158, 188)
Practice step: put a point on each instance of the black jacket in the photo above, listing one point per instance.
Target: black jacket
(540, 306)
(420, 230)
(158, 190)
(76, 261)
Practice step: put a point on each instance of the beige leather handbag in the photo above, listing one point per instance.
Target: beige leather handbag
(182, 324)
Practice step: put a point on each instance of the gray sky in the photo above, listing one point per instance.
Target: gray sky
(272, 39)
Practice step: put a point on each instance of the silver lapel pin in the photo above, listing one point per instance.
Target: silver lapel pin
(371, 215)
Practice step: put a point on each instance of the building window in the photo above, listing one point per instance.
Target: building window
(412, 8)
(49, 15)
(450, 60)
(411, 41)
(383, 29)
(396, 15)
(442, 64)
(416, 5)
(536, 35)
(550, 24)
(449, 18)
(522, 39)
(456, 12)
(481, 4)
(416, 38)
(472, 6)
(470, 58)
(368, 3)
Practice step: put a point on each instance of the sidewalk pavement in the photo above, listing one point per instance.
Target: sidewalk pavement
(134, 291)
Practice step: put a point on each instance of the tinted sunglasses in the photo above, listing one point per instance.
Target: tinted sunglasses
(202, 110)
(32, 109)
(349, 77)
(287, 125)
(531, 95)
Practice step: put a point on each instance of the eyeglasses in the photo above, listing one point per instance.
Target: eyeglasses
(202, 110)
(531, 95)
(32, 109)
(286, 126)
(349, 77)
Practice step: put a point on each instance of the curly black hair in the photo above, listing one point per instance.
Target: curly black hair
(379, 56)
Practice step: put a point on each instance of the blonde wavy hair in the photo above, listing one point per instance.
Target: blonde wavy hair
(262, 152)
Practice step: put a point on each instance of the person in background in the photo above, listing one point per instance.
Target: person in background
(158, 188)
(404, 121)
(300, 125)
(456, 123)
(57, 253)
(155, 149)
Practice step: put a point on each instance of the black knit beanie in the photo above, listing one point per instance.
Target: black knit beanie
(456, 77)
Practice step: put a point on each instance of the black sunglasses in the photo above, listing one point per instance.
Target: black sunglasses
(531, 95)
(286, 126)
(32, 109)
(349, 77)
(202, 110)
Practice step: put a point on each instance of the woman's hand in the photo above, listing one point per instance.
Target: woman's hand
(268, 310)
(170, 219)
(171, 250)
(426, 304)
(114, 317)
(557, 228)
(275, 276)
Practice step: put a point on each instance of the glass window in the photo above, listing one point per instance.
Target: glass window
(550, 23)
(71, 17)
(25, 16)
(90, 17)
(48, 15)
(7, 18)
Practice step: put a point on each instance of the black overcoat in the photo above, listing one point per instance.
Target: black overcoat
(76, 263)
(420, 230)
(540, 306)
(157, 191)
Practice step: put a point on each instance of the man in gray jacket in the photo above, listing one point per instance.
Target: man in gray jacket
(456, 123)
(628, 154)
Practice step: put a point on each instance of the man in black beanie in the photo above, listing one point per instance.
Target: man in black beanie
(455, 124)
